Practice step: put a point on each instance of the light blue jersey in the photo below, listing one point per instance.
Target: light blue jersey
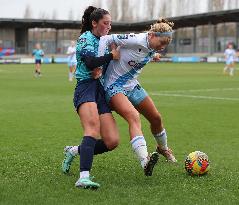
(230, 55)
(135, 53)
(71, 52)
(38, 54)
(87, 45)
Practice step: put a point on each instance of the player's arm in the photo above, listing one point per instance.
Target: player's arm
(120, 40)
(235, 56)
(225, 55)
(87, 55)
(68, 51)
(42, 53)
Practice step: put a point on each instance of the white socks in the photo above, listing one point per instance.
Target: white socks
(71, 75)
(231, 71)
(74, 150)
(140, 148)
(161, 139)
(84, 174)
(225, 69)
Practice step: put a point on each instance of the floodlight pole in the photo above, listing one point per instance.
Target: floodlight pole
(194, 39)
(210, 32)
(237, 34)
(210, 38)
(56, 40)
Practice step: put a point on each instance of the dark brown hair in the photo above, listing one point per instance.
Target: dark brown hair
(91, 14)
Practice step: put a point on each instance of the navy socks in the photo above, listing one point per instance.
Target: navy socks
(100, 147)
(87, 148)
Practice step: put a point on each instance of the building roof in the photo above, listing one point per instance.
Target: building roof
(179, 22)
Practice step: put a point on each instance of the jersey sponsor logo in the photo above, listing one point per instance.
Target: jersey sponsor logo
(122, 36)
(82, 40)
(136, 65)
(139, 65)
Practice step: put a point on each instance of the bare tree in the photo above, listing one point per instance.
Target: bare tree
(127, 15)
(71, 15)
(27, 12)
(54, 14)
(43, 15)
(113, 9)
(97, 4)
(150, 4)
(217, 5)
(163, 10)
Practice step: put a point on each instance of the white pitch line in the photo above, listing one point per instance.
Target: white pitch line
(199, 90)
(194, 96)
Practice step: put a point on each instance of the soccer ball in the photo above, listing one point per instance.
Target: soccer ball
(197, 163)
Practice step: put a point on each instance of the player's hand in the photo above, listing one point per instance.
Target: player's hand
(157, 56)
(96, 73)
(115, 51)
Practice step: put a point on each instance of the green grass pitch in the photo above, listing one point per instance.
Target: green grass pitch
(200, 109)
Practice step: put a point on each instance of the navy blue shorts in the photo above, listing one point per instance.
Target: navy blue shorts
(37, 61)
(91, 90)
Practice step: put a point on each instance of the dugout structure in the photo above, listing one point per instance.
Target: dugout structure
(206, 33)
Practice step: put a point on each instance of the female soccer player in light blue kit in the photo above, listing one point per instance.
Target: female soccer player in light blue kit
(38, 54)
(71, 52)
(230, 58)
(123, 90)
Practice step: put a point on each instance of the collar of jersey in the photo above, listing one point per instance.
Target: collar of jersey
(95, 35)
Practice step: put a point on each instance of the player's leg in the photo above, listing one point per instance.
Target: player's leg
(89, 118)
(124, 108)
(108, 128)
(150, 112)
(38, 66)
(225, 69)
(110, 140)
(120, 103)
(70, 71)
(109, 133)
(36, 71)
(86, 106)
(231, 69)
(71, 152)
(74, 68)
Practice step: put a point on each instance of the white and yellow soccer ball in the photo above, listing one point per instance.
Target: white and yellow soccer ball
(197, 163)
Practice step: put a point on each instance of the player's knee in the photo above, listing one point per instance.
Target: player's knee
(92, 127)
(133, 117)
(156, 119)
(112, 143)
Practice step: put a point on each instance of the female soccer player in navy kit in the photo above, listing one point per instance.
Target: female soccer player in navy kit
(89, 97)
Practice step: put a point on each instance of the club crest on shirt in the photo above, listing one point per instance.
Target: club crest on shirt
(131, 63)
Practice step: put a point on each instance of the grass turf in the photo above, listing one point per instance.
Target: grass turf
(200, 109)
